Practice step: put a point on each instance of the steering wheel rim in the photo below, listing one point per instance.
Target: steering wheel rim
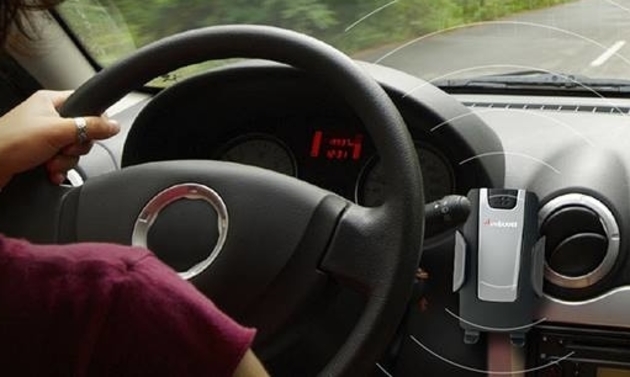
(400, 218)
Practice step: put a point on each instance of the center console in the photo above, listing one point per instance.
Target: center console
(578, 326)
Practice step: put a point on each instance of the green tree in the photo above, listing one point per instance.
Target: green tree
(100, 22)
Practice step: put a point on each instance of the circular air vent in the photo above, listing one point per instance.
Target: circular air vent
(582, 240)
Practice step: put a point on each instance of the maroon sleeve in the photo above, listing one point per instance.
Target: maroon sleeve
(160, 325)
(100, 309)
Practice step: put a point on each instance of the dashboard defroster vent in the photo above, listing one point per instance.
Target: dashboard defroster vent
(615, 110)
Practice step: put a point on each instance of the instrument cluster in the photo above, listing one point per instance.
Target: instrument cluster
(338, 157)
(278, 119)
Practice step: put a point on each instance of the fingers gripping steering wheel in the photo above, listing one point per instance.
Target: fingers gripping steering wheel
(286, 234)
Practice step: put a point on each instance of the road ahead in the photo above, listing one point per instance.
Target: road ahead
(590, 37)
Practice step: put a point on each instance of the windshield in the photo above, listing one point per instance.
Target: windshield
(438, 40)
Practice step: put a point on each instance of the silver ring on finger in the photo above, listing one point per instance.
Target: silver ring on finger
(82, 135)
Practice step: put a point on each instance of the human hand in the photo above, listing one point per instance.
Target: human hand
(33, 133)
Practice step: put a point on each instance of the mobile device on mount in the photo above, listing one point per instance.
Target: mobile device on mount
(498, 264)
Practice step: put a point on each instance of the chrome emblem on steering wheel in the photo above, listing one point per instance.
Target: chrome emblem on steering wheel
(163, 199)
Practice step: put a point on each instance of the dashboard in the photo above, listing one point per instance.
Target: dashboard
(568, 150)
(276, 118)
(336, 156)
(331, 152)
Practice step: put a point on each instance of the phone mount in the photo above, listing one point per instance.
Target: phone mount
(498, 264)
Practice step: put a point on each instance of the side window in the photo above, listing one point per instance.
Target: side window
(101, 28)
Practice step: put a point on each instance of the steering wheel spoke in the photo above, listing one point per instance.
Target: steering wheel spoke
(31, 209)
(359, 254)
(264, 219)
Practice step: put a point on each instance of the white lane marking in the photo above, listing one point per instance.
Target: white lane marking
(608, 54)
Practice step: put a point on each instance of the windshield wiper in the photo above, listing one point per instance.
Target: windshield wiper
(537, 80)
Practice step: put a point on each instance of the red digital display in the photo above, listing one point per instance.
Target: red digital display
(331, 146)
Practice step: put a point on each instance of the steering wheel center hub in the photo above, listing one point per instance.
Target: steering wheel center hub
(181, 196)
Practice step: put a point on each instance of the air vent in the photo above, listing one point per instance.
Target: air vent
(582, 240)
(621, 110)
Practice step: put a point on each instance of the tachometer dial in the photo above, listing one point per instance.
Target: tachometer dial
(263, 151)
(437, 174)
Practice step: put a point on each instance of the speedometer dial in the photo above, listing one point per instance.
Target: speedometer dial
(263, 151)
(436, 172)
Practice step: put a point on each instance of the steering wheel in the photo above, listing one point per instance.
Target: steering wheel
(277, 238)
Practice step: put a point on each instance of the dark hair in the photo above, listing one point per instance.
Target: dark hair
(14, 13)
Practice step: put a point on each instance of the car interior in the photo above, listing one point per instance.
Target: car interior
(367, 220)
